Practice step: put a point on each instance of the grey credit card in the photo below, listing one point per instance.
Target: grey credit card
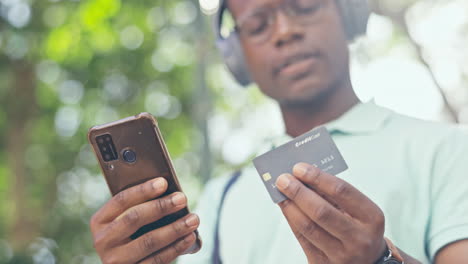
(315, 147)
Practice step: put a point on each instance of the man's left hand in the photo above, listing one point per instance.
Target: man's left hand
(333, 221)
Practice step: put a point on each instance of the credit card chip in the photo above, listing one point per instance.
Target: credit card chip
(266, 176)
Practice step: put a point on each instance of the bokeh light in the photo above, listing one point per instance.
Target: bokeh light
(19, 14)
(116, 87)
(156, 18)
(184, 13)
(67, 121)
(48, 71)
(17, 46)
(131, 37)
(209, 7)
(71, 92)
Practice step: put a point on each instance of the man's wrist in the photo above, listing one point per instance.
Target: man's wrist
(391, 255)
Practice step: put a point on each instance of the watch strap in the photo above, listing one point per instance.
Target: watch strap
(395, 252)
(392, 254)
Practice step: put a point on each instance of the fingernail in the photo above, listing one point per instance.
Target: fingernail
(159, 183)
(283, 181)
(178, 199)
(192, 220)
(300, 169)
(189, 238)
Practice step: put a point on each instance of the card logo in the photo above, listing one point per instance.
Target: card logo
(307, 140)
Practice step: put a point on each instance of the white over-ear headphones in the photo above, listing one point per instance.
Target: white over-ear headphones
(355, 14)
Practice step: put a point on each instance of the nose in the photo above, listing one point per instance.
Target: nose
(286, 30)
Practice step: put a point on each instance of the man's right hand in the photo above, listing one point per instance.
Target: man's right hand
(131, 209)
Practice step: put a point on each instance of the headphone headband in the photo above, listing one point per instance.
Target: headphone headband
(218, 18)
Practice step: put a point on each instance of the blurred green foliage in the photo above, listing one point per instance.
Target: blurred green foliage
(66, 66)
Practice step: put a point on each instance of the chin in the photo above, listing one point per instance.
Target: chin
(304, 91)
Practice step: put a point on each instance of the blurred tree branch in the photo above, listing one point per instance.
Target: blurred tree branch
(397, 15)
(24, 228)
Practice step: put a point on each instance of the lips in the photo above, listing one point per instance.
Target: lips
(296, 64)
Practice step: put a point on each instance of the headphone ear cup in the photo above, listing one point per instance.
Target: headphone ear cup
(234, 59)
(361, 14)
(355, 14)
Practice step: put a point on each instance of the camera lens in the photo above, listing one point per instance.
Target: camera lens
(129, 156)
(107, 147)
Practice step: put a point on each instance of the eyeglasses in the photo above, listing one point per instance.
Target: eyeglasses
(258, 26)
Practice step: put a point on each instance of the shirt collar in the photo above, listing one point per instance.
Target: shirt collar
(363, 118)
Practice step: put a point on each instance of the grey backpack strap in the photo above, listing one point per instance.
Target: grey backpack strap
(216, 257)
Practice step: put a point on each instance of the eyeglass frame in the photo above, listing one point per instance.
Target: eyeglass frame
(272, 14)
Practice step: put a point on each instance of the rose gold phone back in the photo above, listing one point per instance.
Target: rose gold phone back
(138, 134)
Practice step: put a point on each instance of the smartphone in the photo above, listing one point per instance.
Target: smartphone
(131, 151)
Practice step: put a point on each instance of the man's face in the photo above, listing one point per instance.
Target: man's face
(300, 57)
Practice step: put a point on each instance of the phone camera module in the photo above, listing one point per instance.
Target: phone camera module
(106, 147)
(129, 156)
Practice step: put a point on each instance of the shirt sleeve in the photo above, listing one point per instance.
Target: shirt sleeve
(449, 193)
(207, 210)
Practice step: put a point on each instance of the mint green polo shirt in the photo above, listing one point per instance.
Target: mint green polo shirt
(415, 171)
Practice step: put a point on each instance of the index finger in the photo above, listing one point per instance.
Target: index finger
(346, 196)
(130, 197)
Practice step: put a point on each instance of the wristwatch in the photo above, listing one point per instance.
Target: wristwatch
(391, 255)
